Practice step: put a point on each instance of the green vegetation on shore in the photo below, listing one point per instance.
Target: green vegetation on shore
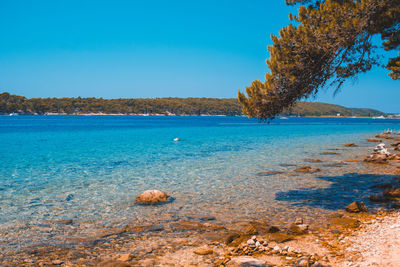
(168, 106)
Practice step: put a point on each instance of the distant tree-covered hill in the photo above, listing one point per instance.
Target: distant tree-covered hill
(168, 106)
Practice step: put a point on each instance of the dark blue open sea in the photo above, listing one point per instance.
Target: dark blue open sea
(90, 169)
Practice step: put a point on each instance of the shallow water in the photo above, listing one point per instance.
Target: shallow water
(90, 169)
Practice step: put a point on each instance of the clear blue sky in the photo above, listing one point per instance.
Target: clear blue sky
(129, 49)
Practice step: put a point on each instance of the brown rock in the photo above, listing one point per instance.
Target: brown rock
(203, 251)
(396, 144)
(392, 193)
(273, 229)
(376, 158)
(356, 207)
(151, 197)
(296, 229)
(113, 263)
(350, 145)
(377, 198)
(250, 230)
(125, 257)
(191, 225)
(329, 153)
(313, 160)
(280, 237)
(231, 237)
(374, 140)
(340, 221)
(307, 169)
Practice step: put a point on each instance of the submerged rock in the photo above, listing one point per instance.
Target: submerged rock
(125, 257)
(113, 263)
(350, 145)
(340, 221)
(203, 251)
(151, 197)
(392, 193)
(245, 261)
(269, 173)
(298, 229)
(377, 158)
(356, 207)
(307, 169)
(313, 160)
(329, 153)
(374, 140)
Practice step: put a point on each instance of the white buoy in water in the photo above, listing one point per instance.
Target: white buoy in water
(176, 139)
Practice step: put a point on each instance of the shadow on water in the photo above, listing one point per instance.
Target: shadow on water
(343, 190)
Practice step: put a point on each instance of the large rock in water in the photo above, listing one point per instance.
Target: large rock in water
(151, 197)
(356, 207)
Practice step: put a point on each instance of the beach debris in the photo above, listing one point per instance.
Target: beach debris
(151, 197)
(176, 139)
(204, 250)
(307, 169)
(356, 207)
(350, 145)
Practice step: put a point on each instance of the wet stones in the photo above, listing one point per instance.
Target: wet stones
(356, 207)
(307, 169)
(150, 197)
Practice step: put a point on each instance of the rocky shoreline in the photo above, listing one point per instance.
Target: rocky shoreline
(202, 241)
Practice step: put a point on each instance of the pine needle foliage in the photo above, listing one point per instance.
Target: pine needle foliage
(327, 43)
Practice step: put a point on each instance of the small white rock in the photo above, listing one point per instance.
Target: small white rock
(250, 242)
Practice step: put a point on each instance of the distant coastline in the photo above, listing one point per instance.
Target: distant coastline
(20, 105)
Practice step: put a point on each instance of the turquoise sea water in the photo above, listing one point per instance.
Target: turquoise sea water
(90, 169)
